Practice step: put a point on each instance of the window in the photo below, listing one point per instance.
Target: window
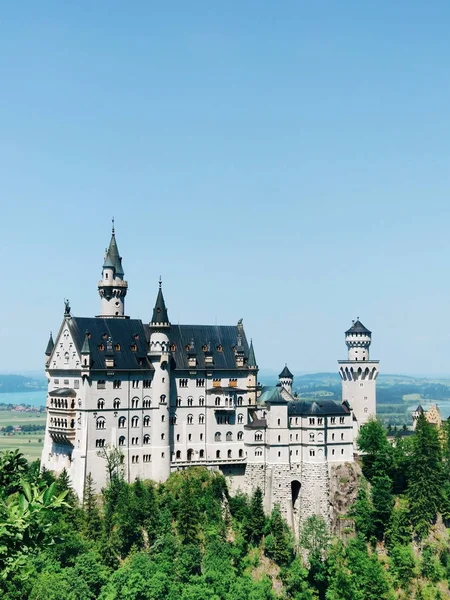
(332, 437)
(229, 436)
(240, 418)
(122, 440)
(178, 437)
(183, 383)
(342, 436)
(229, 454)
(178, 455)
(312, 421)
(100, 423)
(116, 384)
(147, 383)
(147, 457)
(201, 401)
(279, 454)
(178, 401)
(200, 383)
(173, 420)
(342, 450)
(240, 436)
(333, 420)
(163, 398)
(240, 401)
(312, 453)
(190, 401)
(366, 409)
(241, 453)
(100, 404)
(146, 439)
(217, 401)
(190, 419)
(135, 441)
(296, 437)
(341, 420)
(279, 438)
(217, 453)
(122, 421)
(201, 437)
(189, 437)
(101, 384)
(332, 452)
(135, 421)
(217, 436)
(116, 403)
(258, 452)
(279, 422)
(320, 421)
(146, 421)
(311, 437)
(135, 384)
(163, 418)
(201, 454)
(147, 401)
(163, 435)
(76, 384)
(135, 402)
(99, 443)
(201, 419)
(258, 436)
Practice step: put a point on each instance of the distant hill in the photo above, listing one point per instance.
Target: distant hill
(19, 383)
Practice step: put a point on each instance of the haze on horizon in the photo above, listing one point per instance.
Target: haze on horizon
(287, 164)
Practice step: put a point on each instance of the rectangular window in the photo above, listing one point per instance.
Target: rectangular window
(135, 384)
(312, 421)
(341, 420)
(333, 420)
(76, 384)
(178, 437)
(312, 453)
(201, 437)
(320, 421)
(101, 385)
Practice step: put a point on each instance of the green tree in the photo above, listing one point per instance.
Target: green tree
(362, 512)
(377, 451)
(424, 477)
(257, 518)
(278, 544)
(383, 503)
(399, 530)
(91, 514)
(402, 565)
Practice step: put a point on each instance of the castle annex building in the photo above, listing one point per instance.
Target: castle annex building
(171, 396)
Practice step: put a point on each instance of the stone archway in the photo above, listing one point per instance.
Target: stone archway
(295, 493)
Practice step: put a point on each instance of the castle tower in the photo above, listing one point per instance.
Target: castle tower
(358, 374)
(159, 356)
(286, 379)
(112, 288)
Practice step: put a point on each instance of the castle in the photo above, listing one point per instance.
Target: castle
(172, 396)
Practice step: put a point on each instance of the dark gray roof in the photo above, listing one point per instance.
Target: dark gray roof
(63, 393)
(322, 407)
(221, 340)
(127, 333)
(285, 373)
(271, 395)
(112, 258)
(358, 327)
(251, 356)
(86, 347)
(419, 409)
(160, 311)
(50, 346)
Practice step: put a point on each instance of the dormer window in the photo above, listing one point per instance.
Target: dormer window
(101, 347)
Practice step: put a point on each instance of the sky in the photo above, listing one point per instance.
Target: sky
(282, 162)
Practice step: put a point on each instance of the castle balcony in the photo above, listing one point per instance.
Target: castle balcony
(61, 399)
(61, 434)
(209, 462)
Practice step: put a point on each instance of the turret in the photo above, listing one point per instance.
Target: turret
(286, 379)
(49, 349)
(112, 288)
(358, 339)
(159, 356)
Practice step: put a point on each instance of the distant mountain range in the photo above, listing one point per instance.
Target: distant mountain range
(19, 383)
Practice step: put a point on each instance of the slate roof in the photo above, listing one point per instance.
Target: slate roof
(125, 332)
(160, 311)
(63, 393)
(322, 407)
(113, 258)
(271, 395)
(256, 424)
(129, 332)
(50, 346)
(285, 373)
(358, 327)
(251, 356)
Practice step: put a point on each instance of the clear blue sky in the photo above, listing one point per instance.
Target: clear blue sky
(285, 162)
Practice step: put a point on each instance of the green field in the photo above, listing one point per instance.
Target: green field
(10, 417)
(27, 443)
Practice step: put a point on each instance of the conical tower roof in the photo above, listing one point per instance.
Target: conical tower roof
(50, 345)
(113, 258)
(251, 356)
(86, 347)
(285, 373)
(358, 327)
(160, 315)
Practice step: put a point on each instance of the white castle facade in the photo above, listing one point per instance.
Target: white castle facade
(172, 396)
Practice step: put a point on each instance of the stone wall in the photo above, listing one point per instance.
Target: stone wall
(315, 491)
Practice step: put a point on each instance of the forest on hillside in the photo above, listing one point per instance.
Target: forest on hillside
(188, 539)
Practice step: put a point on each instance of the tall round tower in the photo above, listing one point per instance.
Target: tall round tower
(358, 374)
(159, 355)
(112, 288)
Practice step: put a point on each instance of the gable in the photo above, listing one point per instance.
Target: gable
(65, 354)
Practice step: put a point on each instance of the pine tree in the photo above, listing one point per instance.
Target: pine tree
(383, 503)
(257, 518)
(91, 513)
(424, 477)
(278, 544)
(362, 512)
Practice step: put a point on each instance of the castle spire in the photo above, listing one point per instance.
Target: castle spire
(50, 345)
(112, 288)
(160, 316)
(251, 362)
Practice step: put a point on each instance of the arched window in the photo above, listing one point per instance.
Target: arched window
(116, 403)
(146, 439)
(241, 453)
(163, 398)
(229, 453)
(217, 401)
(240, 418)
(201, 454)
(258, 452)
(217, 436)
(217, 453)
(258, 436)
(201, 419)
(135, 402)
(100, 423)
(100, 403)
(179, 401)
(239, 401)
(311, 437)
(229, 436)
(190, 419)
(134, 421)
(190, 401)
(146, 421)
(190, 454)
(146, 402)
(122, 440)
(201, 401)
(178, 455)
(240, 436)
(122, 422)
